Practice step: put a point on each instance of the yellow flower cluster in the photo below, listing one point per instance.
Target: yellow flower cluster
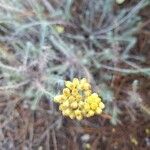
(78, 101)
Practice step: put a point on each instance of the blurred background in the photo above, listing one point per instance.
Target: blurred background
(45, 42)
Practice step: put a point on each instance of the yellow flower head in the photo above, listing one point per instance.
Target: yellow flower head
(78, 101)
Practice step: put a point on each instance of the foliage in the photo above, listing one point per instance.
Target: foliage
(44, 42)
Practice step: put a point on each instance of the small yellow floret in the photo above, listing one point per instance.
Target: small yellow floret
(120, 1)
(90, 100)
(58, 98)
(71, 98)
(86, 107)
(63, 97)
(86, 86)
(74, 105)
(66, 92)
(82, 81)
(98, 111)
(81, 104)
(69, 84)
(77, 112)
(93, 106)
(65, 104)
(90, 113)
(78, 97)
(87, 93)
(102, 105)
(61, 107)
(79, 117)
(74, 92)
(72, 115)
(66, 112)
(59, 28)
(94, 95)
(75, 82)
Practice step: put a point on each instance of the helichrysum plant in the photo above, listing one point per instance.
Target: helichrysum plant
(77, 100)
